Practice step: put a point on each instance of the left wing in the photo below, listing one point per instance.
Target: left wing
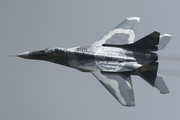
(124, 33)
(119, 85)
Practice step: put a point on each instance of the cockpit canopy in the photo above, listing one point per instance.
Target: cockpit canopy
(55, 51)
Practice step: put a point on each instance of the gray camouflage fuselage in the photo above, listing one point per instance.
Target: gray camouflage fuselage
(113, 59)
(88, 58)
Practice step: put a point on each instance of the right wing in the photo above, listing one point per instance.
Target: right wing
(119, 85)
(124, 33)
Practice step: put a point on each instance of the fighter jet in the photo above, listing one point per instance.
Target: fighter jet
(113, 59)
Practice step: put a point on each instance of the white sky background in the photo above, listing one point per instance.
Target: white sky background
(38, 90)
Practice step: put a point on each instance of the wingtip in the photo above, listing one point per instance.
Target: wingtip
(132, 104)
(134, 18)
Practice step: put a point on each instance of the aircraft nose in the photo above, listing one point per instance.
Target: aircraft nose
(24, 55)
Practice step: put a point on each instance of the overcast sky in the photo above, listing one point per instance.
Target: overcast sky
(38, 90)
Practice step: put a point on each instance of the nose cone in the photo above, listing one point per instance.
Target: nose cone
(24, 55)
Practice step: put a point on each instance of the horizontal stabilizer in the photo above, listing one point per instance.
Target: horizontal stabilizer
(149, 42)
(164, 39)
(149, 74)
(157, 82)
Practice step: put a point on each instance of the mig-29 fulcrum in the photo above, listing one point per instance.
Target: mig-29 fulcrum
(113, 59)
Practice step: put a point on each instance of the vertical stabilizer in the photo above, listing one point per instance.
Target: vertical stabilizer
(164, 39)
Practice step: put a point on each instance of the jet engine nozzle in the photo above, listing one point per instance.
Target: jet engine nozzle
(152, 56)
